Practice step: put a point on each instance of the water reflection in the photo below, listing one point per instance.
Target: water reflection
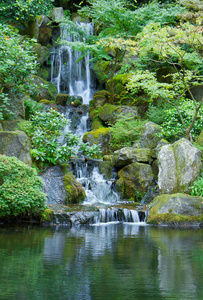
(120, 261)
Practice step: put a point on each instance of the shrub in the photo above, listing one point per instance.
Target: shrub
(197, 187)
(20, 189)
(49, 145)
(126, 131)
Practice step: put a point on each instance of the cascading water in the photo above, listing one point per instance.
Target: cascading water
(69, 74)
(73, 77)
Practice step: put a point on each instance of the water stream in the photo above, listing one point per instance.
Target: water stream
(73, 76)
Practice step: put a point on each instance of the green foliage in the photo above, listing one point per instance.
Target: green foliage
(23, 10)
(126, 131)
(48, 144)
(173, 129)
(31, 107)
(20, 189)
(17, 63)
(4, 107)
(197, 188)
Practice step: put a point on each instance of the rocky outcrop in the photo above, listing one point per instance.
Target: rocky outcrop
(45, 89)
(176, 209)
(134, 180)
(100, 136)
(179, 165)
(109, 113)
(15, 143)
(128, 155)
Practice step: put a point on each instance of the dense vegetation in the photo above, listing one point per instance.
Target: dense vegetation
(151, 54)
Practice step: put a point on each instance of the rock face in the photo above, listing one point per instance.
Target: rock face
(149, 138)
(134, 179)
(15, 143)
(176, 208)
(100, 136)
(128, 155)
(61, 187)
(109, 113)
(179, 165)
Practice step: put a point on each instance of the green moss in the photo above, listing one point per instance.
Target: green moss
(96, 133)
(74, 190)
(173, 219)
(45, 101)
(47, 215)
(97, 123)
(77, 103)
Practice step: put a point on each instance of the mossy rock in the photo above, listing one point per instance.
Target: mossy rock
(74, 190)
(45, 101)
(47, 215)
(133, 179)
(63, 99)
(15, 143)
(11, 125)
(45, 89)
(100, 98)
(106, 168)
(109, 114)
(176, 209)
(42, 53)
(100, 136)
(77, 103)
(97, 123)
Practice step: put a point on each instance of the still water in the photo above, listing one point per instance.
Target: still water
(109, 262)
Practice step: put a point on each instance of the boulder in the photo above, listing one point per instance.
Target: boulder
(15, 143)
(100, 98)
(179, 165)
(45, 89)
(128, 155)
(109, 114)
(62, 99)
(40, 29)
(74, 190)
(57, 14)
(149, 138)
(176, 209)
(134, 180)
(16, 109)
(61, 186)
(101, 136)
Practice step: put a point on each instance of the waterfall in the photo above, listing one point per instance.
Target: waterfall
(73, 77)
(69, 74)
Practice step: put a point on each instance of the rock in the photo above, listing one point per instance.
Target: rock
(45, 89)
(57, 14)
(42, 52)
(134, 180)
(15, 143)
(128, 155)
(106, 169)
(100, 136)
(11, 125)
(100, 98)
(149, 137)
(41, 30)
(16, 105)
(61, 186)
(109, 114)
(62, 99)
(74, 190)
(176, 209)
(179, 165)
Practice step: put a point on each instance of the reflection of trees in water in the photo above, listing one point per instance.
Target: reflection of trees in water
(107, 262)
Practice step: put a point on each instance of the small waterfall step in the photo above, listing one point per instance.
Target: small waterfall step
(113, 214)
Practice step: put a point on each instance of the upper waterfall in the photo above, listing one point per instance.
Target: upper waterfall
(69, 74)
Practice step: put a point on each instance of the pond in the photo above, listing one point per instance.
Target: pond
(108, 262)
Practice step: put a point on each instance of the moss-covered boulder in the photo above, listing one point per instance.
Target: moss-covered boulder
(43, 53)
(44, 89)
(57, 14)
(101, 136)
(15, 143)
(62, 99)
(134, 180)
(97, 123)
(100, 98)
(11, 125)
(149, 138)
(109, 113)
(106, 168)
(74, 190)
(176, 209)
(179, 165)
(128, 155)
(16, 109)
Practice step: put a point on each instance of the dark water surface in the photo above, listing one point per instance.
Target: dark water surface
(112, 262)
